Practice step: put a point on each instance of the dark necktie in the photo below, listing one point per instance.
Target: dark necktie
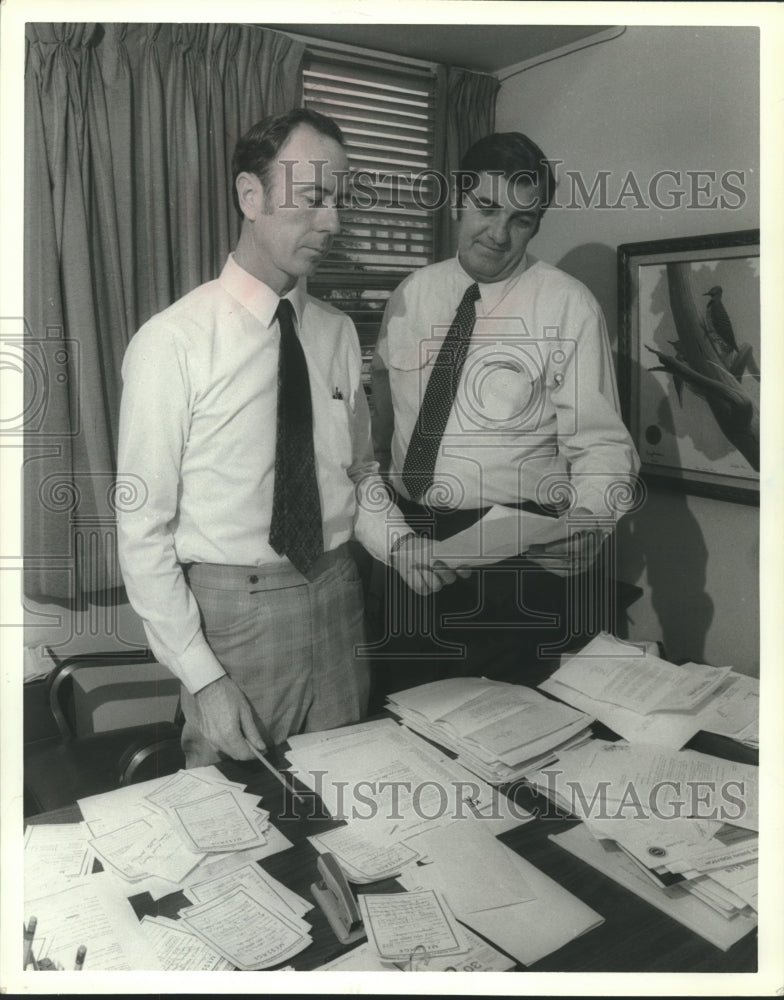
(419, 466)
(295, 530)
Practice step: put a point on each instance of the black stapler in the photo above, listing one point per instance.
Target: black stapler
(333, 894)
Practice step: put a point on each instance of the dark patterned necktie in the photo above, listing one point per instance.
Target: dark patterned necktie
(419, 466)
(295, 530)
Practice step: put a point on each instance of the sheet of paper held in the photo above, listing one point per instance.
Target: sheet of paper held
(503, 532)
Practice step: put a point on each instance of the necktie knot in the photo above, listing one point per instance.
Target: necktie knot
(285, 314)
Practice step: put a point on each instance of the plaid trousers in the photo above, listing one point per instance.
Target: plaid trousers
(288, 642)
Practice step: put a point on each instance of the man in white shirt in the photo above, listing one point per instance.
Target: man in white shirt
(244, 417)
(494, 392)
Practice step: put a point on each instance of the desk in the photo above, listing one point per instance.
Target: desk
(635, 936)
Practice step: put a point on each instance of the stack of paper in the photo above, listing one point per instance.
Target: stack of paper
(647, 700)
(498, 731)
(498, 893)
(388, 785)
(677, 828)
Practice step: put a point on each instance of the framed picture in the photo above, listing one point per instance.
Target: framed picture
(689, 361)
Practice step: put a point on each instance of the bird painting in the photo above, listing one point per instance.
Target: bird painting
(717, 320)
(709, 360)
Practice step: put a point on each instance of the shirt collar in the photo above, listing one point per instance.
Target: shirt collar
(258, 298)
(493, 292)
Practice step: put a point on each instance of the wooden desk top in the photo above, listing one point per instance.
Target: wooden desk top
(635, 937)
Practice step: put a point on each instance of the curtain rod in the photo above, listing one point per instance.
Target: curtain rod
(583, 43)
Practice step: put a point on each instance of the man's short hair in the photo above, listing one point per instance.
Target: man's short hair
(256, 151)
(512, 154)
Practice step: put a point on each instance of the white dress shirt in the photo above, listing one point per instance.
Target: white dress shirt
(198, 428)
(536, 403)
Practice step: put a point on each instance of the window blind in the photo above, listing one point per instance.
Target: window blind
(387, 116)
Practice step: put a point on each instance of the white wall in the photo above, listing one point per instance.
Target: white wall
(654, 99)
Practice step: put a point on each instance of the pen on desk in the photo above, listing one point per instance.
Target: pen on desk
(273, 770)
(81, 951)
(29, 934)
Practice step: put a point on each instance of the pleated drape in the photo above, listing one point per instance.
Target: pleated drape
(465, 112)
(129, 132)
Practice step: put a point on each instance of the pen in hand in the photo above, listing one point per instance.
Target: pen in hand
(81, 951)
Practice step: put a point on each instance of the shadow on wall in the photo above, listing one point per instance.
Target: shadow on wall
(595, 265)
(664, 540)
(660, 546)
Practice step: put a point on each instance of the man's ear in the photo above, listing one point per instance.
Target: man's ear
(250, 194)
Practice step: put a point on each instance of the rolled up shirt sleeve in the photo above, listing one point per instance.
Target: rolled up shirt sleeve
(154, 418)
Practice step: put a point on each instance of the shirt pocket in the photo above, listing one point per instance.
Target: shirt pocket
(408, 354)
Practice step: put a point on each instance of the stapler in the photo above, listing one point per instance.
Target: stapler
(333, 894)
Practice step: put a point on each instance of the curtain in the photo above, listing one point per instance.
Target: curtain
(129, 132)
(465, 110)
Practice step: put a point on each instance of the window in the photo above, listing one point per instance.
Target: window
(387, 117)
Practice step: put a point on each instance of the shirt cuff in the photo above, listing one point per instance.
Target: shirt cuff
(196, 667)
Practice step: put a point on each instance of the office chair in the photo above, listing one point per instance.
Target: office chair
(62, 768)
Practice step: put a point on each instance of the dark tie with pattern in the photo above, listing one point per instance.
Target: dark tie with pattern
(419, 466)
(295, 530)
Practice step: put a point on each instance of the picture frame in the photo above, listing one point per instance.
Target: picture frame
(689, 361)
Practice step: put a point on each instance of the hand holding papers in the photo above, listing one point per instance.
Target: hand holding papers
(502, 533)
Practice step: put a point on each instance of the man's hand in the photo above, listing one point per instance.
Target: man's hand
(226, 719)
(413, 559)
(572, 555)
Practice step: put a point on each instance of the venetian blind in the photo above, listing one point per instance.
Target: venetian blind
(387, 118)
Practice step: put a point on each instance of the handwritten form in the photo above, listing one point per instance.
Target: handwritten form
(245, 931)
(361, 859)
(398, 924)
(178, 950)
